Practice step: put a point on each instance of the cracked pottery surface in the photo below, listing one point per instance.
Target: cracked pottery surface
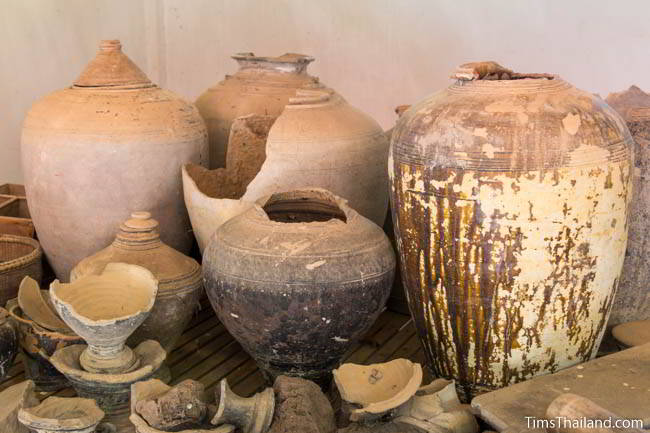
(261, 86)
(318, 141)
(510, 199)
(297, 279)
(94, 152)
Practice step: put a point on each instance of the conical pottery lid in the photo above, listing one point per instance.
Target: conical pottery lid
(138, 243)
(111, 67)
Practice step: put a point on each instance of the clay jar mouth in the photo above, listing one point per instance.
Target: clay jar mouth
(305, 206)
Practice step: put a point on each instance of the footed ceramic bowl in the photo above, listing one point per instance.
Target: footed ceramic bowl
(104, 310)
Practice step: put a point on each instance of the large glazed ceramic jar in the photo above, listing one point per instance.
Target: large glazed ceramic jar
(179, 278)
(632, 302)
(110, 143)
(510, 202)
(297, 279)
(320, 141)
(262, 85)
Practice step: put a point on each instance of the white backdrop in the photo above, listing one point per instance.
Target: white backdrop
(377, 53)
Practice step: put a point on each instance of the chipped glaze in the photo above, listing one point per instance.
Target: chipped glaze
(510, 202)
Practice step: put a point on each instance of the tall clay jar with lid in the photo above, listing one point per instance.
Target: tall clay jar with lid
(110, 143)
(179, 278)
(510, 196)
(262, 86)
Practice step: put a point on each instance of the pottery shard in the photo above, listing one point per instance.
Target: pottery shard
(246, 154)
(11, 401)
(182, 407)
(301, 406)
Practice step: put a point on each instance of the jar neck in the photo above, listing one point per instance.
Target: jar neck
(295, 64)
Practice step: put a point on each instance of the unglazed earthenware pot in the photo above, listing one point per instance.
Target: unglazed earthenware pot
(262, 86)
(95, 151)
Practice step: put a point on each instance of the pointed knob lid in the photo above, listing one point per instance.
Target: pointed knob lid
(139, 229)
(111, 67)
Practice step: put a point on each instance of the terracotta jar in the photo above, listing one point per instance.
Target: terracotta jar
(320, 141)
(632, 302)
(297, 279)
(179, 278)
(510, 200)
(110, 143)
(262, 85)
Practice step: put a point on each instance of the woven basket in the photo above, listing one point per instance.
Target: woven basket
(19, 257)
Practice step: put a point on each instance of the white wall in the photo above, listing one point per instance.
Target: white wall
(377, 53)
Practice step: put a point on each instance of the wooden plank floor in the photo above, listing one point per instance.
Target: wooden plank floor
(207, 352)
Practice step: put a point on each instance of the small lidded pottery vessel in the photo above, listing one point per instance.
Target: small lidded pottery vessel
(179, 278)
(262, 85)
(298, 279)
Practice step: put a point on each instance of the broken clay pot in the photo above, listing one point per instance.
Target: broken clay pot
(36, 304)
(104, 310)
(12, 400)
(378, 388)
(182, 407)
(261, 86)
(112, 392)
(250, 415)
(37, 345)
(121, 141)
(632, 300)
(297, 279)
(319, 140)
(56, 414)
(152, 389)
(179, 278)
(8, 343)
(213, 197)
(500, 184)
